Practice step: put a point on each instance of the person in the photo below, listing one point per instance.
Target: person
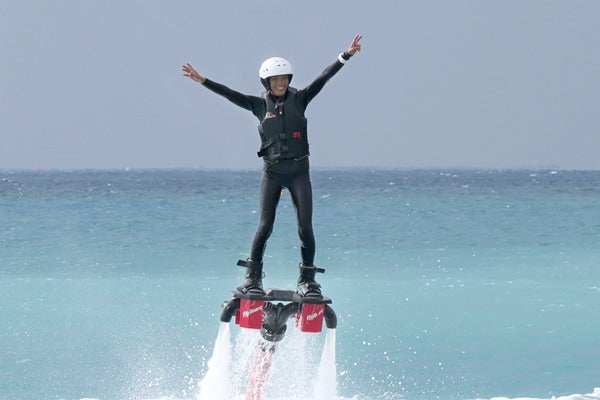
(285, 152)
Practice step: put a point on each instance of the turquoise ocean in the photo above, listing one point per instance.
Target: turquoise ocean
(447, 284)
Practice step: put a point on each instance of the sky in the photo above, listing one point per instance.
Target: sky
(90, 84)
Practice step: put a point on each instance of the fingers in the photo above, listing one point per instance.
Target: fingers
(355, 45)
(187, 68)
(190, 72)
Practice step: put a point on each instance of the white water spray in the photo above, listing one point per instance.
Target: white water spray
(216, 384)
(296, 373)
(325, 387)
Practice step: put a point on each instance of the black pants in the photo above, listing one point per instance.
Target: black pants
(293, 175)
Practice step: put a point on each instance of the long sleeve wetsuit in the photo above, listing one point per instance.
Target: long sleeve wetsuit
(292, 174)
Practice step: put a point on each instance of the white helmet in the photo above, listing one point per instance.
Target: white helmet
(274, 66)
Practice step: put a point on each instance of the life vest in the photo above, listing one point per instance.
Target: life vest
(282, 130)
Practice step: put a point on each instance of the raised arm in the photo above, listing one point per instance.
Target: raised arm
(251, 103)
(315, 87)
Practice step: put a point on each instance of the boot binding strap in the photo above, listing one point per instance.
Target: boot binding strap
(249, 264)
(311, 268)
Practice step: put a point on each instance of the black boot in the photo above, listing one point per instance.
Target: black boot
(307, 286)
(253, 279)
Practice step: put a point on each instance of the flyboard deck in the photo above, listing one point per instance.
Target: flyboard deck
(281, 295)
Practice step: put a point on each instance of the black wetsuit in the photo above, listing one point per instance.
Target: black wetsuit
(282, 171)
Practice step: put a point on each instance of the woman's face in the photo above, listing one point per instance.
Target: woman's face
(279, 84)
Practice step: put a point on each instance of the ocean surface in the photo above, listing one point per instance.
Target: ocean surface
(447, 284)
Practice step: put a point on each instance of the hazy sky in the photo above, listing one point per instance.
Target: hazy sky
(483, 84)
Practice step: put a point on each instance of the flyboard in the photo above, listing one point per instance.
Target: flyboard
(270, 312)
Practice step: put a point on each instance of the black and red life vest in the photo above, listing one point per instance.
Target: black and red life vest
(283, 129)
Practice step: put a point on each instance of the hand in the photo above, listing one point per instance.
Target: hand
(354, 46)
(191, 73)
